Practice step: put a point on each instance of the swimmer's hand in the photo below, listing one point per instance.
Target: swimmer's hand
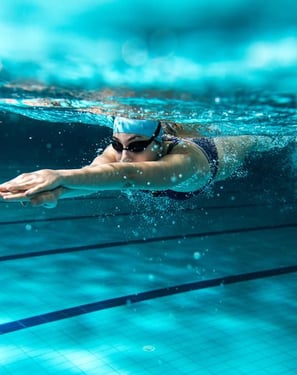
(47, 199)
(26, 185)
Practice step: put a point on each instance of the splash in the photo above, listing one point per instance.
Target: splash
(150, 211)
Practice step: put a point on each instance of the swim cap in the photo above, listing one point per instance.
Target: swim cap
(140, 127)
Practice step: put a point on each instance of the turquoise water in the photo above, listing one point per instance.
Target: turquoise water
(165, 44)
(119, 283)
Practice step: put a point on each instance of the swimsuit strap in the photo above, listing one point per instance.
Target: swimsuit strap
(209, 149)
(173, 142)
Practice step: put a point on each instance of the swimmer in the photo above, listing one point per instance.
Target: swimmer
(143, 155)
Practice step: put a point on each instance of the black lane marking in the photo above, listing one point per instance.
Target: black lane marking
(106, 245)
(139, 297)
(132, 214)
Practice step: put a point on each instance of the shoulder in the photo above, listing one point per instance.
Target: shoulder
(185, 151)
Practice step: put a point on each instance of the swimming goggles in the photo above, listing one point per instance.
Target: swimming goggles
(137, 146)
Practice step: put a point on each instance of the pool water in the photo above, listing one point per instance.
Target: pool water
(124, 283)
(120, 283)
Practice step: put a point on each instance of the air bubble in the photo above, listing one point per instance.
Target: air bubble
(148, 348)
(173, 179)
(197, 255)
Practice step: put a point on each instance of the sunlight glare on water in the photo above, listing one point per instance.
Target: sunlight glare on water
(229, 66)
(164, 43)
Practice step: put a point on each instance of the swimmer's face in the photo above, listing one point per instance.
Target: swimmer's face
(135, 148)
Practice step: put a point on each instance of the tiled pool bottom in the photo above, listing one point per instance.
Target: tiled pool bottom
(85, 252)
(222, 330)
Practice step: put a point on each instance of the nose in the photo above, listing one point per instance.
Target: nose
(126, 157)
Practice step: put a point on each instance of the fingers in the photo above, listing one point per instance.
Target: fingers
(31, 183)
(5, 187)
(45, 199)
(21, 191)
(20, 183)
(33, 188)
(14, 197)
(37, 189)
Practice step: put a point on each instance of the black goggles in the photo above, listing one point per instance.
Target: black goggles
(137, 146)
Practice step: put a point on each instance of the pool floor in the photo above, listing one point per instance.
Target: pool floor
(218, 331)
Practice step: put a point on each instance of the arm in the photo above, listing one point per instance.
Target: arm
(103, 174)
(17, 188)
(149, 175)
(166, 173)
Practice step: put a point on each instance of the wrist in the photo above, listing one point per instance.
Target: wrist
(64, 177)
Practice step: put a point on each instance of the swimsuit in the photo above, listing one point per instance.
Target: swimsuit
(209, 149)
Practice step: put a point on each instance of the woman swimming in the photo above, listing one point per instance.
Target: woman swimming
(141, 156)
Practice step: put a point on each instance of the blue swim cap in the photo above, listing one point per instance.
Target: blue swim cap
(140, 127)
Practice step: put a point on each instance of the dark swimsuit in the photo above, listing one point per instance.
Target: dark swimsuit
(209, 149)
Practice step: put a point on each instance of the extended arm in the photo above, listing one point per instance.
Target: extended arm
(163, 174)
